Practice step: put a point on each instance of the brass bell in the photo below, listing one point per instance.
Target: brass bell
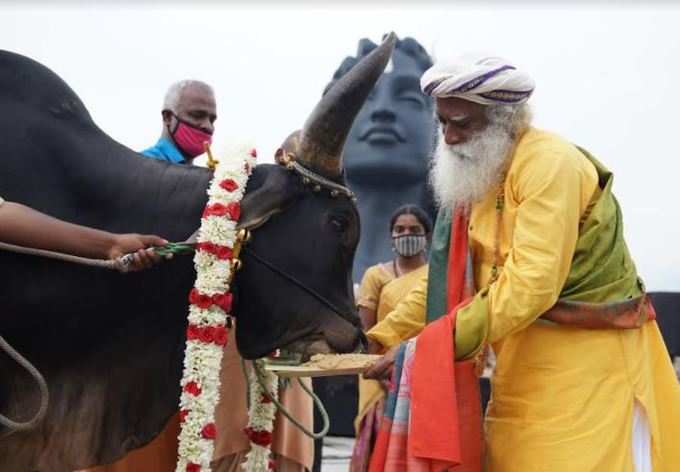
(243, 235)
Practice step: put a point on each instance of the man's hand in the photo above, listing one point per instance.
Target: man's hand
(137, 243)
(382, 369)
(374, 347)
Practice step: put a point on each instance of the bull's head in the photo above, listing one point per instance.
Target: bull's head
(295, 288)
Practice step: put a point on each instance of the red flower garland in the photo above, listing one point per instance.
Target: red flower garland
(207, 330)
(229, 185)
(221, 252)
(209, 431)
(208, 334)
(264, 398)
(201, 300)
(193, 388)
(261, 438)
(232, 210)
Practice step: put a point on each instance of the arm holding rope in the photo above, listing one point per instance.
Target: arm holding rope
(25, 226)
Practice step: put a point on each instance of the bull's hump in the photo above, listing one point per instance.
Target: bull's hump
(25, 82)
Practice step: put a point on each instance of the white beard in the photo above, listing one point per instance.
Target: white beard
(464, 173)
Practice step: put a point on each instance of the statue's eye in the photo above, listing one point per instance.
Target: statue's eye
(415, 98)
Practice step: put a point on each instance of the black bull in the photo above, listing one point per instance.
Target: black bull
(111, 345)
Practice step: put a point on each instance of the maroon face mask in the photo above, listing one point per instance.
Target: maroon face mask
(189, 138)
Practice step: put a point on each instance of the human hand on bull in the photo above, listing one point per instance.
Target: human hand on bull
(135, 252)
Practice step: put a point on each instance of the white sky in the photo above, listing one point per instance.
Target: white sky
(607, 78)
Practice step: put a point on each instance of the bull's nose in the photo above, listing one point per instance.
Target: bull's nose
(342, 335)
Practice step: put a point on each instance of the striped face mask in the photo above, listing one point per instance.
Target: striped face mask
(410, 244)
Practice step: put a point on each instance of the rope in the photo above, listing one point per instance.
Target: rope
(286, 413)
(42, 386)
(106, 264)
(121, 263)
(294, 281)
(245, 376)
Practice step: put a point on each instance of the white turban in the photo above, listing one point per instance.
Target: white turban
(483, 79)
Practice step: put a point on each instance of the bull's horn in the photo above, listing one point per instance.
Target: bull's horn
(326, 129)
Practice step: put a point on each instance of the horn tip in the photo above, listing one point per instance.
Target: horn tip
(390, 37)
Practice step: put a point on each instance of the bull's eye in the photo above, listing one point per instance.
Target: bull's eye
(339, 223)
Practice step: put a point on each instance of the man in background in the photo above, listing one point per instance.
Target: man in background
(189, 114)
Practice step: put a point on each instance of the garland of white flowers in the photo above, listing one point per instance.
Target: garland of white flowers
(260, 418)
(210, 304)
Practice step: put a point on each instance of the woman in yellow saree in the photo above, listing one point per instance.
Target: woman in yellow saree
(382, 287)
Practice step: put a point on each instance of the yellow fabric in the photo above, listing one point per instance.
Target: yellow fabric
(568, 393)
(562, 397)
(379, 284)
(375, 278)
(554, 184)
(406, 320)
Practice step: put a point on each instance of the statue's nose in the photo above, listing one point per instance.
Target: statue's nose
(383, 114)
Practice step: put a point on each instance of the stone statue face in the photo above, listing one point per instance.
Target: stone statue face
(392, 137)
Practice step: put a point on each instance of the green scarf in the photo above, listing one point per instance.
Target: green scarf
(601, 268)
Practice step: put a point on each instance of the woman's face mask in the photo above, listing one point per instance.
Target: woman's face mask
(410, 244)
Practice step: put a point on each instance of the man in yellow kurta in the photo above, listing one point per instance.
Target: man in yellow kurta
(544, 233)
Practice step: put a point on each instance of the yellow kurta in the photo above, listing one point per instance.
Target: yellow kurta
(562, 398)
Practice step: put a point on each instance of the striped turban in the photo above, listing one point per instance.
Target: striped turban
(485, 80)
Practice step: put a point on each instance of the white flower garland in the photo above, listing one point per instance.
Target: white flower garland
(260, 419)
(210, 306)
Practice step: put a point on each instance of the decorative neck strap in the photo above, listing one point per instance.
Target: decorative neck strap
(318, 181)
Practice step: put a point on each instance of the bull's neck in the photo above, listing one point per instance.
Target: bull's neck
(146, 196)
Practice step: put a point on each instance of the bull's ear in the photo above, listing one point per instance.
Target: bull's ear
(270, 197)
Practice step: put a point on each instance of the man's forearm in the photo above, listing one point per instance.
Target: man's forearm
(405, 321)
(24, 226)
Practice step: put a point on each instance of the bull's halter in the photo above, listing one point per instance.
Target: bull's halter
(242, 238)
(317, 182)
(309, 178)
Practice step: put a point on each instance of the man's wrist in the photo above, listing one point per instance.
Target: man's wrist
(374, 346)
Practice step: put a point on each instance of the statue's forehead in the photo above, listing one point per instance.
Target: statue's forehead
(401, 66)
(401, 63)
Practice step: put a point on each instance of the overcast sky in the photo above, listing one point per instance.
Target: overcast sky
(607, 78)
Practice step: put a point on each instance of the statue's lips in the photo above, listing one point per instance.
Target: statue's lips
(382, 134)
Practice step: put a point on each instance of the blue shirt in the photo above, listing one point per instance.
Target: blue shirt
(165, 150)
